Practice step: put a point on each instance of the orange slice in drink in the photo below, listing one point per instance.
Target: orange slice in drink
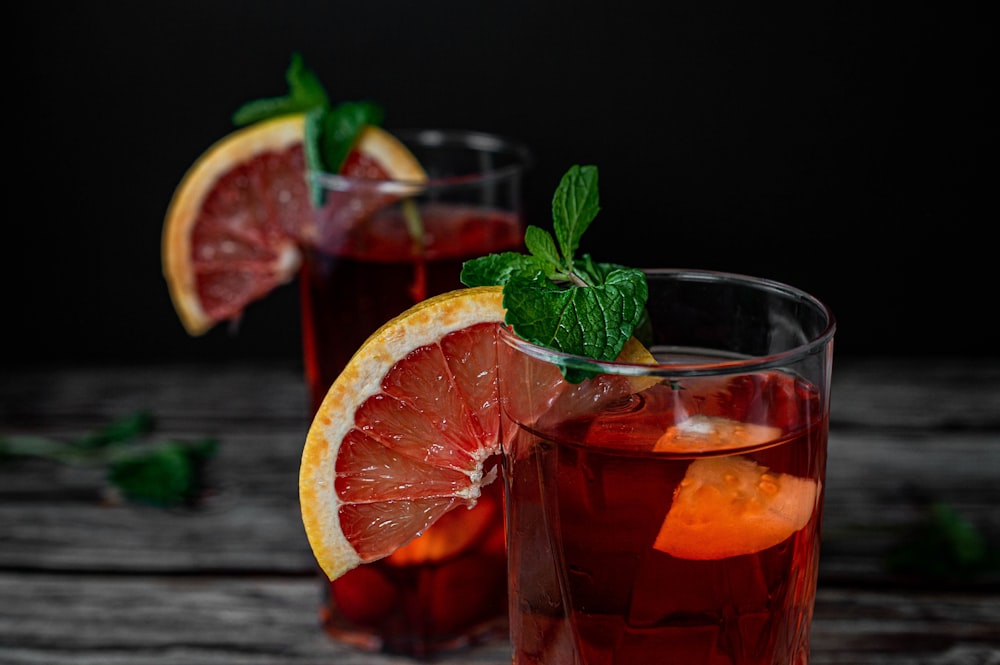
(701, 433)
(728, 506)
(405, 437)
(236, 222)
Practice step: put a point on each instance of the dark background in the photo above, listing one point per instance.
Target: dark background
(848, 150)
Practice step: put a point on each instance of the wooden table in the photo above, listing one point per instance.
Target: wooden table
(86, 579)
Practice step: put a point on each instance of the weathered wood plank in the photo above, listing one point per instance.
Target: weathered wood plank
(88, 580)
(256, 620)
(874, 482)
(49, 513)
(248, 522)
(915, 394)
(201, 399)
(174, 620)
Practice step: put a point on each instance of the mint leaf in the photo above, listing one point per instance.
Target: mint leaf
(305, 93)
(496, 269)
(576, 306)
(574, 207)
(593, 321)
(121, 430)
(333, 132)
(164, 475)
(160, 477)
(944, 545)
(541, 245)
(330, 133)
(160, 473)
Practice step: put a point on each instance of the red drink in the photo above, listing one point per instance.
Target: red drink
(373, 272)
(447, 588)
(613, 558)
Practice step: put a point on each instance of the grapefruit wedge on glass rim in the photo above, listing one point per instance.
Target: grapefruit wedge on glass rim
(237, 221)
(406, 436)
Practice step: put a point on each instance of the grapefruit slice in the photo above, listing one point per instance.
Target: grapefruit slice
(728, 506)
(237, 220)
(406, 436)
(403, 434)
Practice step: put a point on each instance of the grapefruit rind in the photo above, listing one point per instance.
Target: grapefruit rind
(425, 323)
(387, 150)
(224, 155)
(634, 352)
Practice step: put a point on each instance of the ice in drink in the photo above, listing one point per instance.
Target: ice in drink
(677, 525)
(449, 587)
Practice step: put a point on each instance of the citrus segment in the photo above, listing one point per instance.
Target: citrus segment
(634, 352)
(404, 433)
(456, 531)
(701, 433)
(236, 222)
(728, 506)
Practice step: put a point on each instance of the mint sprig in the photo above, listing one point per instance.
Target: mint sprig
(330, 132)
(944, 545)
(553, 299)
(305, 93)
(162, 473)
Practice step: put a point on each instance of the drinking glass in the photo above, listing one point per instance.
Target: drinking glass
(383, 245)
(670, 512)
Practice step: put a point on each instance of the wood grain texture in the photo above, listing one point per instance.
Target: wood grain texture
(85, 578)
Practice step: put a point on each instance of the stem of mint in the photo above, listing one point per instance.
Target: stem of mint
(305, 93)
(414, 225)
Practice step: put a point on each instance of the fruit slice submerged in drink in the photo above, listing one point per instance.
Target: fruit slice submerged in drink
(730, 505)
(595, 491)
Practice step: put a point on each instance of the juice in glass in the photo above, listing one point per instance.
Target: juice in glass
(672, 515)
(375, 273)
(448, 588)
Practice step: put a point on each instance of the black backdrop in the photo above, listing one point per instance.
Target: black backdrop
(845, 149)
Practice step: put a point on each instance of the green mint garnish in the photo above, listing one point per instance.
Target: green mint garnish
(555, 300)
(331, 131)
(305, 93)
(944, 545)
(168, 473)
(160, 473)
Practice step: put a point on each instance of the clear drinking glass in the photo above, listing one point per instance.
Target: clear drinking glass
(670, 512)
(381, 247)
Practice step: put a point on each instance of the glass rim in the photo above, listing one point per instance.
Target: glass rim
(471, 140)
(720, 366)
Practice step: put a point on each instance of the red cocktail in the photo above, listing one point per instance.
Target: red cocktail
(375, 273)
(672, 515)
(448, 587)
